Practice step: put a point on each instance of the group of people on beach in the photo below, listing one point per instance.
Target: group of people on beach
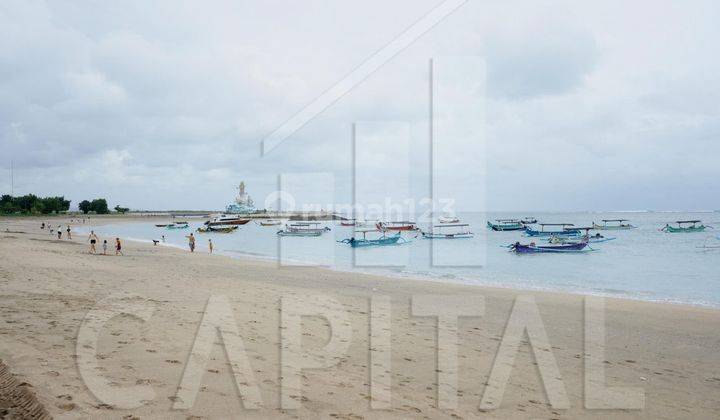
(94, 240)
(59, 230)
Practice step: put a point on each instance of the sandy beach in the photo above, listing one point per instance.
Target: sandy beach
(65, 335)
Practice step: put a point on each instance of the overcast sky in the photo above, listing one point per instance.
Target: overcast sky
(595, 105)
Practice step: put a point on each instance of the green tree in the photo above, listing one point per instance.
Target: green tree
(121, 210)
(25, 203)
(85, 206)
(6, 204)
(99, 206)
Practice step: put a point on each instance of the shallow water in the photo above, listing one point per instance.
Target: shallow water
(642, 263)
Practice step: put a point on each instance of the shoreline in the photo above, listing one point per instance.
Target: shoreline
(436, 279)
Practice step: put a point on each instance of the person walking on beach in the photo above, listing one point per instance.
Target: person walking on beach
(105, 247)
(68, 232)
(93, 240)
(191, 242)
(59, 232)
(118, 247)
(210, 245)
(42, 226)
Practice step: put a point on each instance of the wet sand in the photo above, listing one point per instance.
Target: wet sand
(55, 292)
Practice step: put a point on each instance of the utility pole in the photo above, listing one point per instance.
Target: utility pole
(12, 178)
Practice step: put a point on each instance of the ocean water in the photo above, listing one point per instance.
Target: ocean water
(642, 263)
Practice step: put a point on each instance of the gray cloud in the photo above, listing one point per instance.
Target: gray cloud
(163, 105)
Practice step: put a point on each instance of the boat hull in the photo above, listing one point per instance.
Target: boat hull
(449, 220)
(502, 227)
(293, 233)
(396, 228)
(448, 235)
(236, 222)
(361, 243)
(172, 227)
(540, 233)
(530, 249)
(210, 229)
(691, 229)
(621, 227)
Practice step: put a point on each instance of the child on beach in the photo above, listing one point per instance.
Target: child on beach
(59, 232)
(93, 240)
(210, 245)
(105, 247)
(118, 247)
(68, 232)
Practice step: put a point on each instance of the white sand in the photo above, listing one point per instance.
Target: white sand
(49, 287)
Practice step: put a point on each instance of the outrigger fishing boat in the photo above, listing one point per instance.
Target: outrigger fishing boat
(349, 222)
(227, 220)
(528, 221)
(613, 224)
(216, 229)
(270, 222)
(685, 226)
(448, 219)
(568, 229)
(531, 248)
(502, 225)
(303, 229)
(364, 242)
(396, 226)
(177, 225)
(461, 230)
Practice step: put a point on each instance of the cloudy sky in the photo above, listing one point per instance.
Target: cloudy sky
(164, 104)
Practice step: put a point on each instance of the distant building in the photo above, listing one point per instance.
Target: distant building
(243, 202)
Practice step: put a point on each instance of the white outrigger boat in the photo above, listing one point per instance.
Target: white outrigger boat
(448, 219)
(613, 224)
(303, 229)
(449, 231)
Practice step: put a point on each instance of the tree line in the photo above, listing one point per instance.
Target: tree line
(32, 204)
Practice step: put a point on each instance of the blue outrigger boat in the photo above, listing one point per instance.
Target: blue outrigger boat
(567, 230)
(383, 240)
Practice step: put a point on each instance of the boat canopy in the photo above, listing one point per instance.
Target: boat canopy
(680, 222)
(615, 220)
(506, 220)
(452, 225)
(556, 224)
